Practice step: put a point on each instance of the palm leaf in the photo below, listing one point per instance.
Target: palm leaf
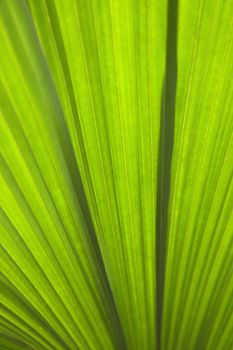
(116, 174)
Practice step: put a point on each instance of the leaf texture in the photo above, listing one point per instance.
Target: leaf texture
(116, 168)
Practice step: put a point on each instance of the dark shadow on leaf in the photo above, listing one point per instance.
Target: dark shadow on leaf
(167, 125)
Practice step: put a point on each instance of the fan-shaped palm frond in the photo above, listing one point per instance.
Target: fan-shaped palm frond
(116, 169)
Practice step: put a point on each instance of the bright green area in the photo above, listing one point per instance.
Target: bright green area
(116, 175)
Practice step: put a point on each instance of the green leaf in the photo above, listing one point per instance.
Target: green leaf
(198, 281)
(116, 168)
